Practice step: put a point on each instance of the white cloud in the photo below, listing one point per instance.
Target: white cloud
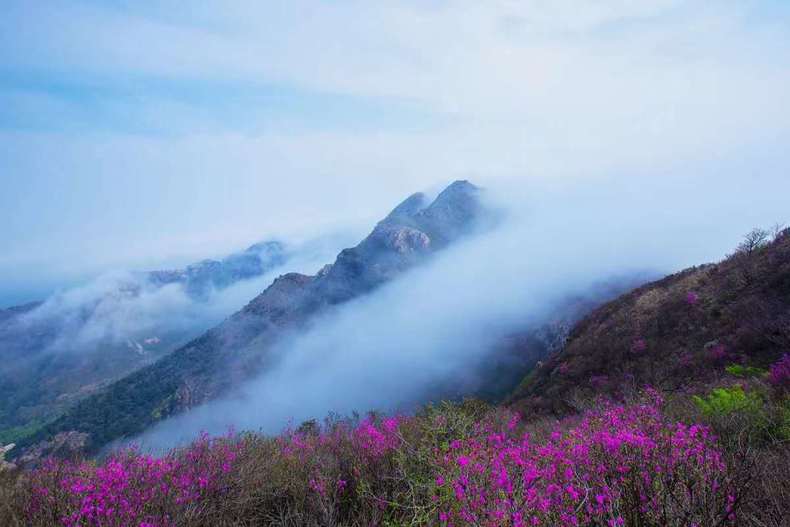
(518, 90)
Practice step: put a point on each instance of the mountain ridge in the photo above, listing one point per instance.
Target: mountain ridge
(214, 362)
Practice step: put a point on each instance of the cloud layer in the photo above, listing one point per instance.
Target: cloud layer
(139, 135)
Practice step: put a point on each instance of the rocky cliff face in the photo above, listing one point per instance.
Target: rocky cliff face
(236, 349)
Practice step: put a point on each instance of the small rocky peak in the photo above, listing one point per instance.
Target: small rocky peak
(408, 208)
(453, 212)
(460, 194)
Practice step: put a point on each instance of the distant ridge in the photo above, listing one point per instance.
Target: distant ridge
(60, 350)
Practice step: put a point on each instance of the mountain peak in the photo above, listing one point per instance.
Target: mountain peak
(456, 192)
(454, 211)
(408, 207)
(461, 185)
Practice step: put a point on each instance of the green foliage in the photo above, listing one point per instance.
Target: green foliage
(739, 370)
(726, 401)
(736, 413)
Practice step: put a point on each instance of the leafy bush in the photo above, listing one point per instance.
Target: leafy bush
(747, 417)
(726, 401)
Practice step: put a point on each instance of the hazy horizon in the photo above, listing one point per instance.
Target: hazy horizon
(135, 135)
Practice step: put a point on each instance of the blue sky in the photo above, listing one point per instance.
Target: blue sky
(139, 134)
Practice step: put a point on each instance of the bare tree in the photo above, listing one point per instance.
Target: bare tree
(778, 230)
(752, 241)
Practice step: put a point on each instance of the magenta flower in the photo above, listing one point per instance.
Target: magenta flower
(779, 373)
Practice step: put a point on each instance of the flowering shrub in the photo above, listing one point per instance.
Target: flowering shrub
(131, 489)
(451, 466)
(718, 353)
(639, 345)
(779, 374)
(599, 381)
(617, 466)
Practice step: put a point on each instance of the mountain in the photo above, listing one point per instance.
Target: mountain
(210, 365)
(60, 350)
(678, 333)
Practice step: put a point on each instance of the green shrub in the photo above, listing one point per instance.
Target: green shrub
(726, 401)
(750, 416)
(739, 370)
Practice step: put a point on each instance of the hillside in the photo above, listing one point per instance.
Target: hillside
(676, 333)
(215, 362)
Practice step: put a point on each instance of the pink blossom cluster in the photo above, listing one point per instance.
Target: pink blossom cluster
(130, 488)
(321, 455)
(616, 465)
(375, 440)
(718, 353)
(779, 373)
(620, 465)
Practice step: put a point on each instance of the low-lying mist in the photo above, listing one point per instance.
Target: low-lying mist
(393, 348)
(126, 308)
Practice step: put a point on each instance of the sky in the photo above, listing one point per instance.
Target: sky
(140, 134)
